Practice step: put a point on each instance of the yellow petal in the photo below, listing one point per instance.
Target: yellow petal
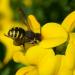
(69, 22)
(34, 24)
(66, 68)
(27, 71)
(34, 71)
(50, 65)
(10, 48)
(72, 37)
(52, 35)
(74, 72)
(65, 72)
(49, 43)
(5, 24)
(68, 60)
(70, 54)
(53, 30)
(20, 58)
(35, 54)
(5, 9)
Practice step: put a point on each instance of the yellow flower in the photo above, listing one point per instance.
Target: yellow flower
(68, 61)
(42, 57)
(38, 61)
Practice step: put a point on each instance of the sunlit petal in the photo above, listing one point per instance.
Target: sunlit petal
(53, 30)
(53, 42)
(5, 9)
(35, 54)
(69, 22)
(72, 37)
(27, 71)
(65, 72)
(10, 48)
(20, 58)
(34, 24)
(53, 35)
(73, 72)
(50, 65)
(68, 60)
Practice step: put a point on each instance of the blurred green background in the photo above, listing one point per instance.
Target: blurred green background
(45, 11)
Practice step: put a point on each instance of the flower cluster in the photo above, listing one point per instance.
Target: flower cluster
(41, 59)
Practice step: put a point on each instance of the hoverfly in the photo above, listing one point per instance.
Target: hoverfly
(20, 36)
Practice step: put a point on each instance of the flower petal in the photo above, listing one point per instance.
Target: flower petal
(19, 57)
(49, 43)
(72, 37)
(69, 22)
(5, 9)
(53, 30)
(53, 35)
(74, 72)
(35, 54)
(50, 65)
(27, 71)
(10, 48)
(68, 60)
(65, 72)
(33, 23)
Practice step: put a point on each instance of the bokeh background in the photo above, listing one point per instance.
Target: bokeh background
(45, 11)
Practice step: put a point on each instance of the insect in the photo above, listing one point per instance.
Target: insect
(20, 36)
